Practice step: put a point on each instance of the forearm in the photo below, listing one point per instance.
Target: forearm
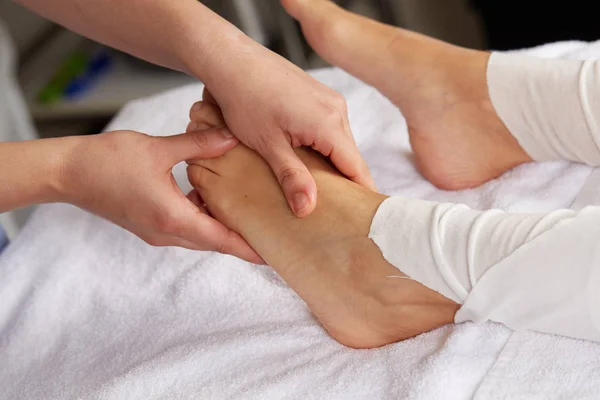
(31, 171)
(183, 35)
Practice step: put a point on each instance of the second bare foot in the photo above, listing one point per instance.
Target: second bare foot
(458, 139)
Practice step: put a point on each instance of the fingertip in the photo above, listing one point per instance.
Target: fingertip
(303, 203)
(213, 142)
(207, 233)
(236, 246)
(366, 180)
(294, 178)
(373, 186)
(350, 162)
(251, 256)
(300, 189)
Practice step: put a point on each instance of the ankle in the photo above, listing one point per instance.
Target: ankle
(387, 306)
(397, 310)
(416, 305)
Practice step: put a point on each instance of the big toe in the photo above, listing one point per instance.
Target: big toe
(307, 11)
(296, 8)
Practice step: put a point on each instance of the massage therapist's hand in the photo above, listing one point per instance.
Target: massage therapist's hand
(125, 177)
(268, 103)
(273, 106)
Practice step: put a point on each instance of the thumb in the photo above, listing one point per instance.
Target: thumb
(294, 178)
(200, 144)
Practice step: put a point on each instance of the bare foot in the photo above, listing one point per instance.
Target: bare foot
(359, 298)
(458, 139)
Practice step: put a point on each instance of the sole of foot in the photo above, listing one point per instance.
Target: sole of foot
(360, 299)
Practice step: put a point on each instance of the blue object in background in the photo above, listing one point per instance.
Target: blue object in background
(3, 239)
(100, 63)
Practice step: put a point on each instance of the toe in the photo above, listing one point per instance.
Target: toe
(310, 11)
(238, 162)
(204, 115)
(327, 27)
(295, 7)
(201, 178)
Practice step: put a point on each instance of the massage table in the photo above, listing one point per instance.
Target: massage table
(89, 311)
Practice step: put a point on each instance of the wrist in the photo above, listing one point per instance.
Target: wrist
(63, 168)
(33, 172)
(222, 58)
(211, 47)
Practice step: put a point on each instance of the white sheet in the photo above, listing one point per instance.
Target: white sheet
(89, 311)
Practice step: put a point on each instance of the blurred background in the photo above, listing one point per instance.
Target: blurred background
(73, 86)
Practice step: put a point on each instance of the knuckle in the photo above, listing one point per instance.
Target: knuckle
(153, 241)
(288, 174)
(124, 140)
(155, 147)
(333, 117)
(128, 135)
(339, 102)
(167, 223)
(200, 139)
(226, 246)
(265, 143)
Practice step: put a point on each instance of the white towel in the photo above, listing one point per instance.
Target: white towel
(89, 311)
(541, 367)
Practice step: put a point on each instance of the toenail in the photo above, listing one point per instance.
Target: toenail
(301, 202)
(197, 106)
(192, 126)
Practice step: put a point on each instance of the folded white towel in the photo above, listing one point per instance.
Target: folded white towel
(89, 311)
(540, 367)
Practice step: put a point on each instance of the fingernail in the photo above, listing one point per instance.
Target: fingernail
(192, 126)
(301, 202)
(226, 132)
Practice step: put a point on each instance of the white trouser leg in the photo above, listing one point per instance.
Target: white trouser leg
(552, 107)
(528, 271)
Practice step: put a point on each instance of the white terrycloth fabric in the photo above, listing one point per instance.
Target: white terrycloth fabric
(89, 311)
(541, 367)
